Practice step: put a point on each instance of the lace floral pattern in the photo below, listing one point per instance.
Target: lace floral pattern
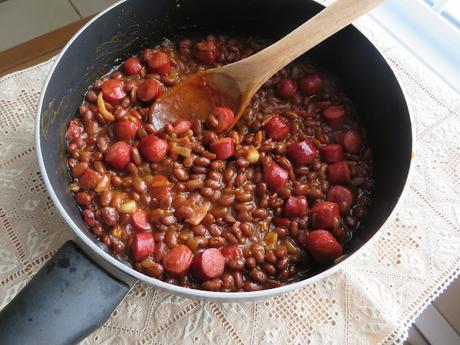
(372, 300)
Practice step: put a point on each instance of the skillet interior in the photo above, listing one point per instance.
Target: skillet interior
(136, 24)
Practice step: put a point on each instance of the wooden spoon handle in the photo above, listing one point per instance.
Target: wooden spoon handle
(259, 67)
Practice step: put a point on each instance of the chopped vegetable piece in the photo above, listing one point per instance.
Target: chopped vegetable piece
(302, 152)
(323, 246)
(296, 206)
(277, 128)
(143, 245)
(223, 148)
(275, 176)
(339, 173)
(102, 110)
(119, 155)
(128, 207)
(178, 260)
(152, 148)
(208, 264)
(332, 153)
(334, 116)
(113, 90)
(325, 215)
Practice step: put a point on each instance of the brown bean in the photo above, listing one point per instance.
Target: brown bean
(217, 165)
(199, 169)
(240, 179)
(185, 211)
(188, 162)
(181, 174)
(214, 175)
(260, 213)
(238, 279)
(282, 263)
(258, 253)
(231, 239)
(242, 163)
(79, 169)
(219, 212)
(125, 218)
(226, 199)
(155, 270)
(131, 168)
(282, 232)
(83, 198)
(244, 216)
(244, 207)
(314, 193)
(116, 181)
(258, 275)
(250, 263)
(251, 286)
(110, 216)
(228, 282)
(243, 197)
(284, 192)
(206, 192)
(213, 184)
(246, 229)
(294, 229)
(197, 127)
(171, 238)
(236, 264)
(202, 161)
(216, 242)
(168, 220)
(280, 251)
(208, 219)
(106, 197)
(159, 251)
(270, 256)
(91, 96)
(261, 189)
(194, 184)
(212, 285)
(178, 201)
(229, 174)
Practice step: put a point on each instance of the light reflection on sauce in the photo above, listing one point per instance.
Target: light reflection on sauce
(193, 99)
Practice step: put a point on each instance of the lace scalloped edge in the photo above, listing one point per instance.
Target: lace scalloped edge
(399, 335)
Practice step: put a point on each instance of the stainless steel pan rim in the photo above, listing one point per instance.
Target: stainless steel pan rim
(188, 292)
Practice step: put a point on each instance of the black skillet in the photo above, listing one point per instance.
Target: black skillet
(77, 289)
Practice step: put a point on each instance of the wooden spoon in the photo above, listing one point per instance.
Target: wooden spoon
(234, 85)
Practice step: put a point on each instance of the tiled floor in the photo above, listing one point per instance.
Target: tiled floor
(22, 20)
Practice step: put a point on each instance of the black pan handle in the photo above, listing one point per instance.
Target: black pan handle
(67, 299)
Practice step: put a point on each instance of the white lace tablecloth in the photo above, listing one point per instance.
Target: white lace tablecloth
(373, 300)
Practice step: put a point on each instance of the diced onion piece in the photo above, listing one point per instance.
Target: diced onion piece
(183, 141)
(147, 263)
(159, 181)
(183, 151)
(199, 213)
(292, 247)
(133, 119)
(74, 187)
(253, 156)
(128, 207)
(192, 243)
(103, 184)
(271, 238)
(116, 231)
(101, 108)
